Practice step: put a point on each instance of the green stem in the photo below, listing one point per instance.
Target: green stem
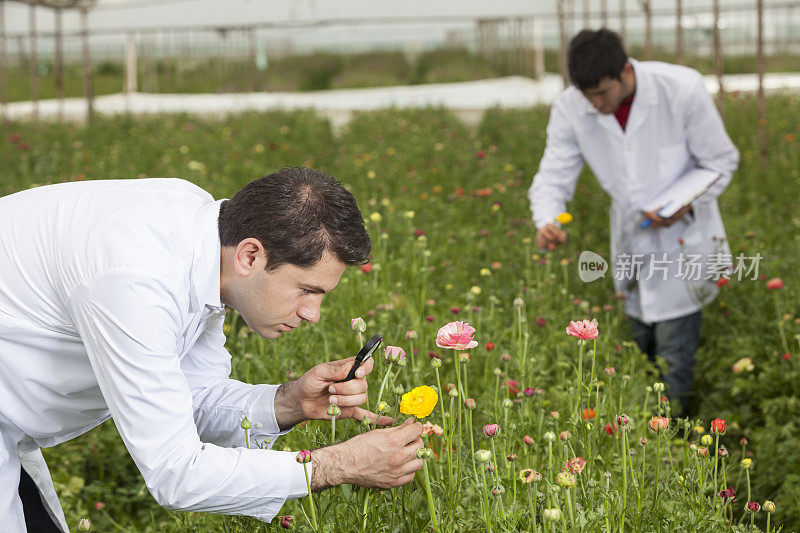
(310, 499)
(486, 502)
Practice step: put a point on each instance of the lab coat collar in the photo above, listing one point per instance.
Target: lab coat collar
(205, 277)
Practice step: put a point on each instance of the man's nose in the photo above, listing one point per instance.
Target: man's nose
(309, 310)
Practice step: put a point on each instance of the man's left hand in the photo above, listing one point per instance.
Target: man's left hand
(308, 397)
(658, 221)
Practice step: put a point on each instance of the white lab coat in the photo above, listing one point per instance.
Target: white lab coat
(673, 126)
(110, 307)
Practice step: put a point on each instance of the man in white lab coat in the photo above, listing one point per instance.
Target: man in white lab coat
(640, 126)
(112, 298)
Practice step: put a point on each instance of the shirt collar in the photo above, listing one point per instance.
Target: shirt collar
(205, 290)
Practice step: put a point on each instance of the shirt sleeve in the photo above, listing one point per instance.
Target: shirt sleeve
(130, 326)
(707, 140)
(554, 184)
(220, 403)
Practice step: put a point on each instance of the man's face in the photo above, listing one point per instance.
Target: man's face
(607, 96)
(278, 301)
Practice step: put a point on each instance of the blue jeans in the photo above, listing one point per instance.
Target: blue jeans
(676, 342)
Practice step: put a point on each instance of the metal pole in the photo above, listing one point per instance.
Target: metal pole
(679, 31)
(87, 65)
(762, 110)
(3, 65)
(718, 60)
(34, 64)
(59, 67)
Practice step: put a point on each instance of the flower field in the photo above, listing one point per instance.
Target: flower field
(538, 421)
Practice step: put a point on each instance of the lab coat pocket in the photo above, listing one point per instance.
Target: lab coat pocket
(672, 161)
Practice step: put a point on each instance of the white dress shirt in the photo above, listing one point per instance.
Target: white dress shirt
(673, 126)
(110, 307)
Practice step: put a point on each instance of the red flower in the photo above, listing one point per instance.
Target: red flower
(541, 321)
(480, 154)
(14, 139)
(718, 426)
(286, 521)
(609, 429)
(511, 387)
(721, 282)
(727, 494)
(455, 310)
(419, 232)
(366, 268)
(489, 346)
(774, 284)
(588, 413)
(786, 356)
(483, 193)
(429, 318)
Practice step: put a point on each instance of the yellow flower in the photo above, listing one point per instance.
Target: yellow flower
(564, 218)
(419, 402)
(375, 217)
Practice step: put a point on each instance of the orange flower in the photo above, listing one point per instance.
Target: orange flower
(790, 137)
(718, 426)
(659, 423)
(588, 413)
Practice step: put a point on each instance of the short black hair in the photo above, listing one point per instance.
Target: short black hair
(594, 56)
(297, 214)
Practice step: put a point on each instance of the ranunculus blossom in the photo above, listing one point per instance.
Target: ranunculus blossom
(774, 284)
(565, 435)
(745, 364)
(286, 521)
(721, 282)
(529, 391)
(609, 429)
(511, 387)
(489, 346)
(358, 325)
(588, 413)
(585, 329)
(419, 402)
(752, 507)
(366, 268)
(659, 423)
(527, 439)
(564, 218)
(456, 336)
(541, 321)
(576, 465)
(491, 430)
(727, 494)
(718, 425)
(303, 456)
(394, 354)
(565, 479)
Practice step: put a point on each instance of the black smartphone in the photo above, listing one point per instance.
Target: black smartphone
(364, 354)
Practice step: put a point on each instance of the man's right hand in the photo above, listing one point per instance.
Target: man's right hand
(381, 459)
(550, 236)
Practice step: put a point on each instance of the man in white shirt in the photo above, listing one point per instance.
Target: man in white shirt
(640, 126)
(112, 298)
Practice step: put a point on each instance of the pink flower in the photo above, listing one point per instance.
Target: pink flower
(491, 430)
(565, 436)
(576, 465)
(394, 354)
(303, 456)
(99, 505)
(727, 494)
(585, 329)
(541, 321)
(286, 521)
(774, 284)
(529, 391)
(456, 336)
(432, 429)
(659, 423)
(527, 439)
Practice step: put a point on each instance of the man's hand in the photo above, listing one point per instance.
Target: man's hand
(550, 236)
(308, 397)
(381, 459)
(657, 221)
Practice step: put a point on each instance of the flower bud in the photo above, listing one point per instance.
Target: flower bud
(706, 440)
(358, 325)
(366, 421)
(303, 456)
(752, 507)
(565, 436)
(469, 403)
(746, 463)
(527, 439)
(399, 390)
(393, 354)
(85, 524)
(436, 362)
(411, 335)
(424, 453)
(489, 467)
(511, 457)
(491, 430)
(722, 452)
(643, 441)
(383, 407)
(507, 403)
(555, 415)
(518, 302)
(246, 423)
(659, 424)
(718, 426)
(498, 372)
(286, 521)
(498, 490)
(549, 436)
(658, 386)
(565, 479)
(552, 515)
(334, 410)
(463, 357)
(483, 456)
(623, 420)
(769, 506)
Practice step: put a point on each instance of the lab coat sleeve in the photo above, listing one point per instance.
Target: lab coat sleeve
(707, 140)
(220, 403)
(554, 184)
(129, 324)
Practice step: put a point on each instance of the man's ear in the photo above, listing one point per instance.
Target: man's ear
(249, 254)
